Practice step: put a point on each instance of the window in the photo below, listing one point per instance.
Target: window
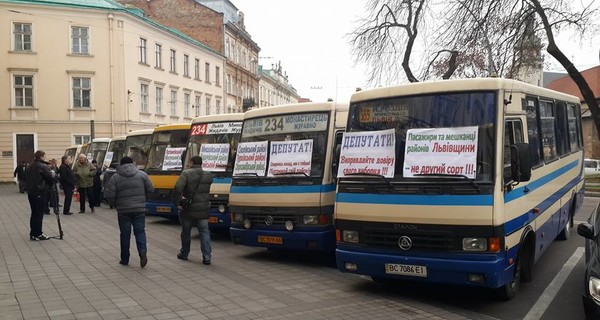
(207, 106)
(548, 130)
(172, 61)
(22, 36)
(186, 65)
(81, 139)
(158, 56)
(197, 69)
(574, 129)
(228, 83)
(23, 90)
(513, 133)
(186, 105)
(218, 105)
(207, 72)
(533, 131)
(197, 106)
(562, 133)
(143, 56)
(144, 97)
(217, 76)
(173, 103)
(80, 40)
(81, 92)
(159, 100)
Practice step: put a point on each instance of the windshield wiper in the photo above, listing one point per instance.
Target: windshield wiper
(471, 181)
(372, 175)
(249, 174)
(286, 173)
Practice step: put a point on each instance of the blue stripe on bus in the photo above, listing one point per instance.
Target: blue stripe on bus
(283, 189)
(433, 200)
(520, 192)
(222, 180)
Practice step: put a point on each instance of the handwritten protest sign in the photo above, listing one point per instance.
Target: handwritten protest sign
(290, 157)
(107, 159)
(214, 156)
(172, 159)
(251, 158)
(368, 152)
(441, 151)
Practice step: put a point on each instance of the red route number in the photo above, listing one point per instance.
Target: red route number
(199, 130)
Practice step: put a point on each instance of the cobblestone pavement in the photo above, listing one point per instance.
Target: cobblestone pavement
(80, 278)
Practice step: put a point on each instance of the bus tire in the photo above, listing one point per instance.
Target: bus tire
(511, 289)
(566, 232)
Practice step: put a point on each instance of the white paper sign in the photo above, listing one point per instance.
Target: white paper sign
(214, 156)
(216, 128)
(290, 157)
(107, 159)
(172, 159)
(368, 152)
(251, 158)
(441, 151)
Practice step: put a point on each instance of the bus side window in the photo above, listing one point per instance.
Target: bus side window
(513, 133)
(337, 150)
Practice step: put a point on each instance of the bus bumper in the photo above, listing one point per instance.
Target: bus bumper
(219, 221)
(322, 240)
(459, 269)
(162, 209)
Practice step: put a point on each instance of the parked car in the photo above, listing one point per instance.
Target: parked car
(591, 166)
(591, 293)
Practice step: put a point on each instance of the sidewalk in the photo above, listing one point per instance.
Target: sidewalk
(80, 278)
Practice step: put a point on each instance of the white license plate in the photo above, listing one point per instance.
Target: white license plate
(406, 270)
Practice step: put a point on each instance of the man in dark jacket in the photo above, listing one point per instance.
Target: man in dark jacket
(128, 190)
(19, 173)
(67, 182)
(39, 180)
(194, 183)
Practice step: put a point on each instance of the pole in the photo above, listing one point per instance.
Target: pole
(92, 133)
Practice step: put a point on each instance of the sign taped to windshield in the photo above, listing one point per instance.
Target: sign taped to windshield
(172, 158)
(251, 158)
(290, 157)
(215, 156)
(450, 151)
(293, 123)
(368, 152)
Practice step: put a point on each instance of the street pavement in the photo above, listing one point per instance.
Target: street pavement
(79, 277)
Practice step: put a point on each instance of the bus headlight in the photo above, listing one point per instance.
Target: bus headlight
(238, 217)
(247, 223)
(474, 244)
(350, 236)
(221, 208)
(594, 288)
(289, 226)
(310, 219)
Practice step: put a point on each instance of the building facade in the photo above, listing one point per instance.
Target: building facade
(72, 63)
(275, 88)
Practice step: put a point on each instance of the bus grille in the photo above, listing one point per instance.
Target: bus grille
(278, 219)
(423, 241)
(162, 195)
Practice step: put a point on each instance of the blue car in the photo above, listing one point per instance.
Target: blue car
(591, 293)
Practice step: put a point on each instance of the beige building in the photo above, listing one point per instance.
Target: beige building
(274, 87)
(68, 64)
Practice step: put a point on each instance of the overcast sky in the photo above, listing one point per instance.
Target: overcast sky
(309, 39)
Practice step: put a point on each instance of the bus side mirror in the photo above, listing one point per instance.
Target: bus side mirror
(337, 150)
(520, 162)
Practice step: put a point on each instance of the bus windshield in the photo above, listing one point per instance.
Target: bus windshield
(99, 151)
(167, 151)
(216, 143)
(136, 147)
(410, 117)
(283, 145)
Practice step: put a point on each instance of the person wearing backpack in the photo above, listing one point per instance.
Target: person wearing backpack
(191, 195)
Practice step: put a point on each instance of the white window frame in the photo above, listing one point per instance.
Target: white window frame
(173, 61)
(207, 106)
(186, 65)
(81, 90)
(218, 105)
(144, 93)
(143, 50)
(173, 103)
(83, 42)
(159, 99)
(187, 97)
(22, 35)
(196, 69)
(197, 105)
(207, 72)
(217, 76)
(81, 139)
(158, 55)
(23, 88)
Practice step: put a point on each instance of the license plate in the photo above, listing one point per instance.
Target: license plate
(163, 209)
(406, 270)
(213, 220)
(271, 240)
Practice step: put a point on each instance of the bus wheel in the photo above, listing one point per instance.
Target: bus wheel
(510, 290)
(566, 232)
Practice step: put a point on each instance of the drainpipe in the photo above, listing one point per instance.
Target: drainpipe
(111, 74)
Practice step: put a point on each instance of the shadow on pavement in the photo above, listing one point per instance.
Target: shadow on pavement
(295, 257)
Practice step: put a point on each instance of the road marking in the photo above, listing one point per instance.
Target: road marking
(540, 306)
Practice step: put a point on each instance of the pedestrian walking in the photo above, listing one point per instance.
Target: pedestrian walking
(97, 184)
(67, 181)
(193, 187)
(39, 181)
(127, 191)
(19, 173)
(84, 172)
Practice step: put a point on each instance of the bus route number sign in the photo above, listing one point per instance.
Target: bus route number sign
(199, 129)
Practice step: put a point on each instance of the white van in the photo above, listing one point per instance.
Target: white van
(591, 166)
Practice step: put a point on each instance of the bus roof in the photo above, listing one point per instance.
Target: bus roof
(178, 126)
(118, 138)
(219, 118)
(459, 85)
(139, 132)
(101, 140)
(294, 108)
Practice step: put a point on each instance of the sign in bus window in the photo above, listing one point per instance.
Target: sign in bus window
(368, 152)
(290, 157)
(251, 158)
(215, 156)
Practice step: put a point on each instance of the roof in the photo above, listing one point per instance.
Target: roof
(567, 85)
(113, 5)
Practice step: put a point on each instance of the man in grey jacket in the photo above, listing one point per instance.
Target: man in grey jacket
(194, 183)
(127, 191)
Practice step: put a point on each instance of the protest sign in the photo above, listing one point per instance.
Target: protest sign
(172, 159)
(214, 156)
(441, 151)
(251, 158)
(368, 152)
(107, 159)
(290, 157)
